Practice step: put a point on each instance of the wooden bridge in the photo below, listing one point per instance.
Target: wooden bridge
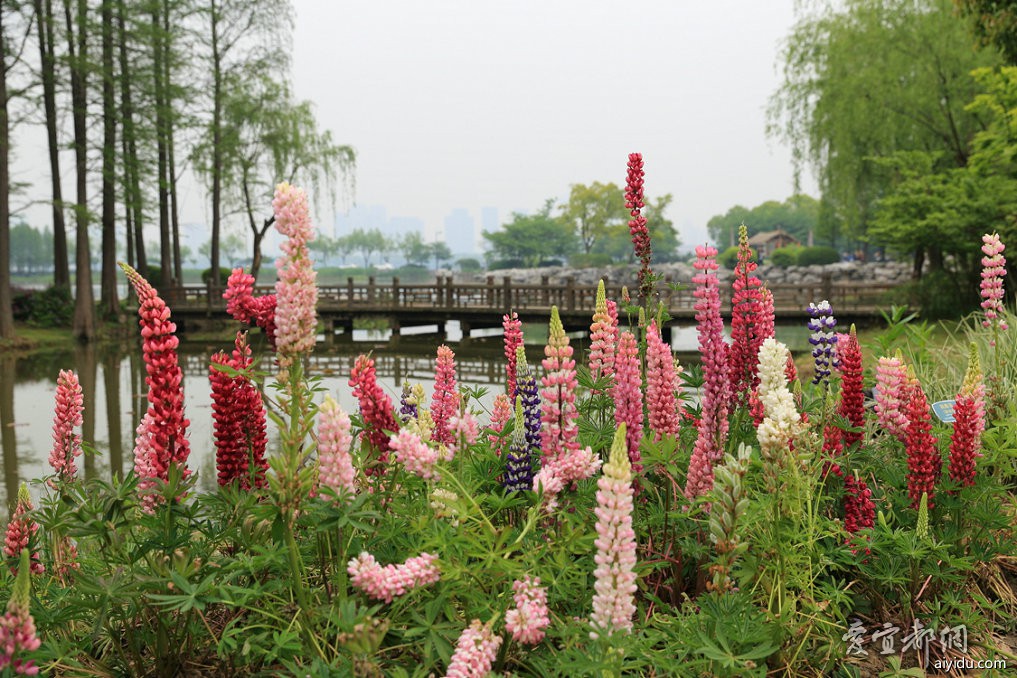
(482, 305)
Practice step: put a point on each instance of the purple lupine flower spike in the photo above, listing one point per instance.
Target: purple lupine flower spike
(823, 339)
(407, 404)
(518, 461)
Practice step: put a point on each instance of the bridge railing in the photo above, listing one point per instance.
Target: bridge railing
(496, 295)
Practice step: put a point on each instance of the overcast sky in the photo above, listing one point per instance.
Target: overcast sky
(470, 103)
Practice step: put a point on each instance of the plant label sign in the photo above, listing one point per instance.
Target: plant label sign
(944, 410)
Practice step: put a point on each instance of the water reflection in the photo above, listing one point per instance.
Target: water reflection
(8, 435)
(113, 381)
(112, 378)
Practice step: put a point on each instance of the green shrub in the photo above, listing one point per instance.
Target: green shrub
(784, 256)
(729, 257)
(469, 264)
(224, 275)
(51, 307)
(810, 256)
(938, 295)
(591, 260)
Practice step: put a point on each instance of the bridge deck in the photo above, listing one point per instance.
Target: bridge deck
(483, 304)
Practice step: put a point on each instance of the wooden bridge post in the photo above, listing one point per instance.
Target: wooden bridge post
(329, 332)
(490, 292)
(827, 286)
(395, 292)
(506, 285)
(349, 290)
(438, 300)
(570, 294)
(370, 289)
(449, 291)
(545, 291)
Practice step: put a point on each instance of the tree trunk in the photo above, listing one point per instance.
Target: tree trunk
(935, 258)
(47, 61)
(919, 262)
(83, 325)
(178, 268)
(217, 154)
(6, 312)
(132, 181)
(109, 303)
(161, 112)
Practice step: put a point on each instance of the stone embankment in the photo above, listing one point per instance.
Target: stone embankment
(887, 272)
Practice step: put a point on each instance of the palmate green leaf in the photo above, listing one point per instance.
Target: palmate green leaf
(190, 596)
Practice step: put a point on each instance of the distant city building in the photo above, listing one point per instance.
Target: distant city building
(461, 232)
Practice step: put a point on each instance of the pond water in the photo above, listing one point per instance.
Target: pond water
(112, 376)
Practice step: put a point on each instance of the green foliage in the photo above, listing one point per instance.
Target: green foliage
(469, 265)
(867, 79)
(783, 257)
(530, 239)
(51, 307)
(257, 582)
(729, 257)
(798, 215)
(593, 260)
(31, 250)
(995, 23)
(224, 275)
(810, 256)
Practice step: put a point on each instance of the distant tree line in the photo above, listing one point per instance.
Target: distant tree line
(143, 91)
(589, 229)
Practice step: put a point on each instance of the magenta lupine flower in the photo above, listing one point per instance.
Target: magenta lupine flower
(335, 464)
(560, 432)
(614, 600)
(637, 225)
(295, 290)
(385, 583)
(513, 340)
(713, 424)
(627, 395)
(238, 415)
(662, 386)
(244, 307)
(465, 430)
(969, 422)
(21, 532)
(413, 453)
(501, 412)
(993, 272)
(859, 511)
(67, 415)
(852, 398)
(528, 619)
(146, 464)
(445, 401)
(376, 411)
(746, 338)
(891, 377)
(924, 462)
(476, 650)
(166, 427)
(603, 337)
(17, 628)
